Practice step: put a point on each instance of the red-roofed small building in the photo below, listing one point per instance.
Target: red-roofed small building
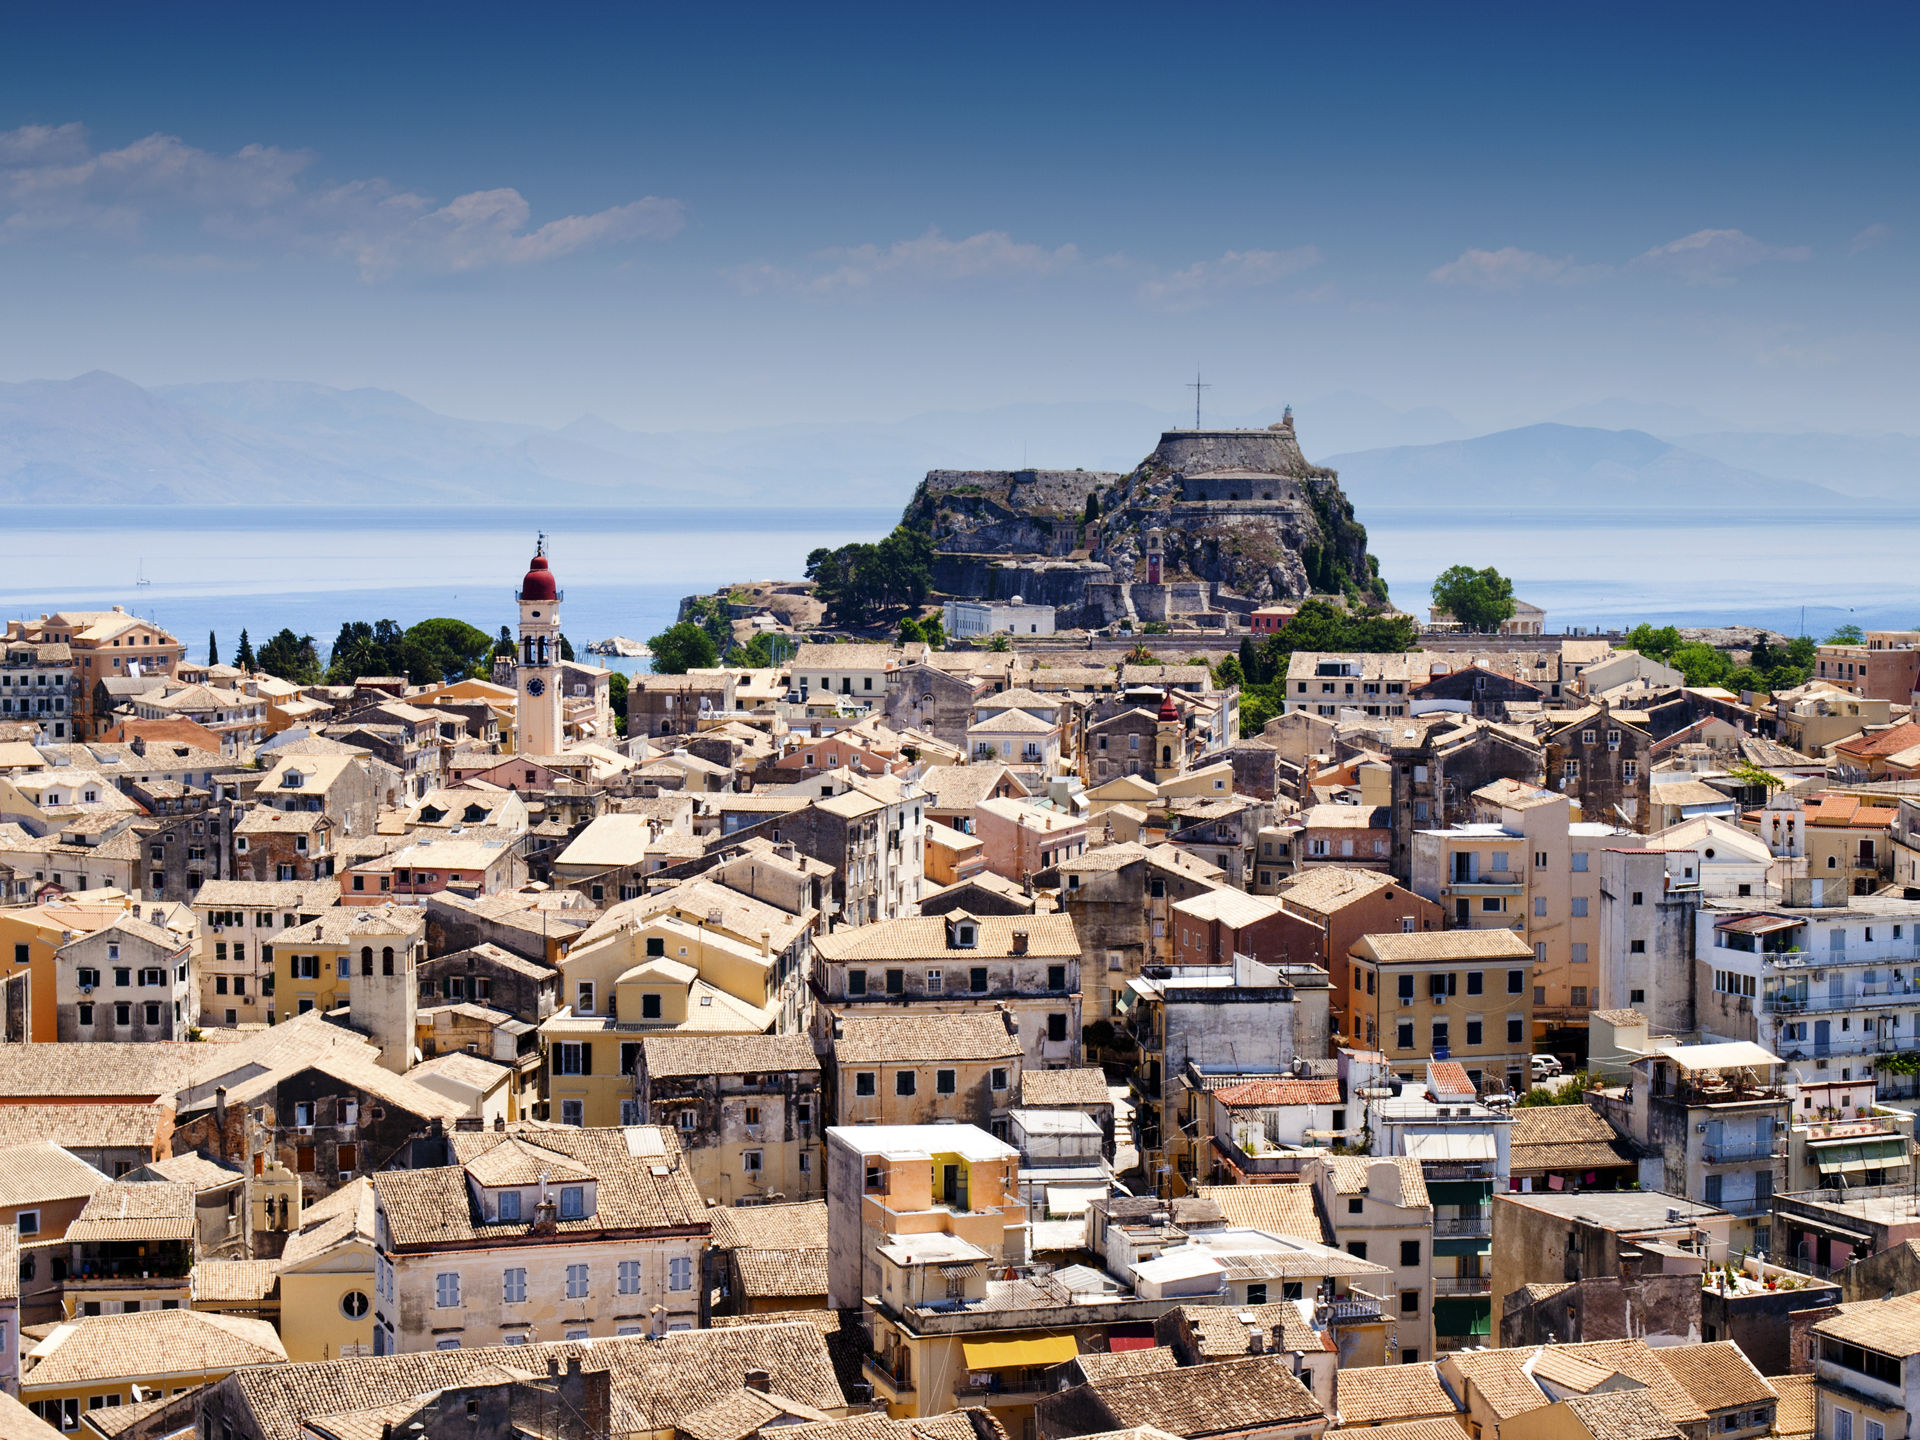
(1265, 1130)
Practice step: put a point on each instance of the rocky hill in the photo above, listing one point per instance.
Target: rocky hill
(1239, 516)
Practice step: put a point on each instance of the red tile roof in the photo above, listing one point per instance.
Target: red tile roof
(1280, 1092)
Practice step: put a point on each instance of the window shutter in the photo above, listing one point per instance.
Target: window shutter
(586, 1058)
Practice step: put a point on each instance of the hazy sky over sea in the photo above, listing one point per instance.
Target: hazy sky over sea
(736, 215)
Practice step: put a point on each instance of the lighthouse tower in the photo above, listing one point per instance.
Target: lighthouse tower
(538, 672)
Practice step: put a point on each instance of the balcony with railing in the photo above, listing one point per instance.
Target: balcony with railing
(1463, 1285)
(1477, 1225)
(1739, 1150)
(1014, 1385)
(895, 1381)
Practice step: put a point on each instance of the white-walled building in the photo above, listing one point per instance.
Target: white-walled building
(966, 618)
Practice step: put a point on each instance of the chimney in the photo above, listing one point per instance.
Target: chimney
(758, 1380)
(766, 943)
(1019, 942)
(1256, 1341)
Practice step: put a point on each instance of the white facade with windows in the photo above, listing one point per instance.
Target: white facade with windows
(997, 617)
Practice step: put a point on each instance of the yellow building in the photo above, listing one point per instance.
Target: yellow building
(312, 962)
(922, 1067)
(654, 976)
(1461, 995)
(109, 1360)
(326, 1278)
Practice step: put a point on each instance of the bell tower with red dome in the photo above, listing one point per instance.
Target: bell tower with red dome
(537, 673)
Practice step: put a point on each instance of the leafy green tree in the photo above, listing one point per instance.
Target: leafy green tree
(617, 697)
(1257, 707)
(857, 581)
(442, 650)
(566, 646)
(1848, 634)
(243, 657)
(1652, 643)
(362, 649)
(929, 632)
(1318, 625)
(1571, 1091)
(1228, 672)
(762, 651)
(1701, 664)
(1000, 644)
(681, 647)
(292, 658)
(1478, 599)
(213, 648)
(504, 645)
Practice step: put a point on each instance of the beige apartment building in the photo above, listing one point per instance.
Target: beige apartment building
(1378, 1209)
(535, 1236)
(1525, 866)
(1461, 995)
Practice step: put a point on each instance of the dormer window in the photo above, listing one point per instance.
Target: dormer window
(293, 780)
(509, 1205)
(964, 934)
(573, 1202)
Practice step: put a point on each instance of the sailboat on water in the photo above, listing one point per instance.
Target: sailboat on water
(140, 574)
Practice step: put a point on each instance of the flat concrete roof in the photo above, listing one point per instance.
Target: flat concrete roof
(1615, 1209)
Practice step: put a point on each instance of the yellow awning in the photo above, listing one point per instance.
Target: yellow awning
(996, 1354)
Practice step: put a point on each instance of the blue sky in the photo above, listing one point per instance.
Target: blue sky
(734, 215)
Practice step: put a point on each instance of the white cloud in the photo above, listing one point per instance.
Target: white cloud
(929, 258)
(1873, 235)
(1710, 257)
(1511, 268)
(53, 180)
(1205, 280)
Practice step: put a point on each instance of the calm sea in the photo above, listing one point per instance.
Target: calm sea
(624, 572)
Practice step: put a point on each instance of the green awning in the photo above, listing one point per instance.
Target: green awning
(1860, 1155)
(1460, 1192)
(1462, 1245)
(1462, 1317)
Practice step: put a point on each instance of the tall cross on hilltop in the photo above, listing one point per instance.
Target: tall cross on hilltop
(1197, 387)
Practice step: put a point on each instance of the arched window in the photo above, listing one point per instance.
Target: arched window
(1166, 754)
(386, 960)
(366, 959)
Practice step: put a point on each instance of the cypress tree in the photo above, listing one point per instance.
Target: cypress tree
(243, 657)
(213, 648)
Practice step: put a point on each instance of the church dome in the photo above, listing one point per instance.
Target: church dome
(539, 582)
(1168, 711)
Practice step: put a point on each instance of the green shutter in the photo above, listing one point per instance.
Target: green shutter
(586, 1058)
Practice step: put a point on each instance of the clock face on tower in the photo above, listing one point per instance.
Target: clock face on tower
(536, 686)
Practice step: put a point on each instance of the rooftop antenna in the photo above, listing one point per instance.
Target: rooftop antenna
(1197, 386)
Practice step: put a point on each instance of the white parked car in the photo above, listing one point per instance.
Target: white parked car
(1546, 1067)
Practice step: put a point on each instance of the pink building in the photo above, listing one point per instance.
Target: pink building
(1020, 839)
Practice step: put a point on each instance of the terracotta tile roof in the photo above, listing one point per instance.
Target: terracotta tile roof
(1350, 1176)
(1327, 889)
(124, 1071)
(1793, 1417)
(930, 1038)
(1369, 1394)
(1219, 1332)
(233, 1280)
(801, 1225)
(1250, 1094)
(1633, 1358)
(1717, 1375)
(728, 1054)
(1283, 1209)
(1083, 1085)
(653, 1382)
(1448, 1077)
(136, 1210)
(344, 1217)
(1461, 945)
(192, 1169)
(17, 1422)
(149, 1342)
(42, 1171)
(1098, 1365)
(796, 1274)
(635, 1191)
(1562, 1137)
(1228, 1395)
(741, 1414)
(1500, 1379)
(924, 937)
(1890, 1326)
(954, 1425)
(1439, 1429)
(1622, 1415)
(1889, 741)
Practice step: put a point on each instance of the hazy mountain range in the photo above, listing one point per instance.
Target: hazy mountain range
(99, 439)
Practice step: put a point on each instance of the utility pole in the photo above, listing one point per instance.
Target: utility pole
(1197, 387)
